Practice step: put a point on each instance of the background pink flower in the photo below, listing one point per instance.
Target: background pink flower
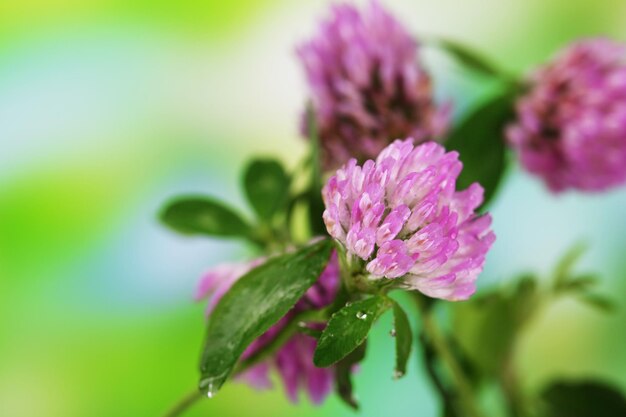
(367, 85)
(571, 125)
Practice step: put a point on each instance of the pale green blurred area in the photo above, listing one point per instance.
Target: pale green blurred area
(107, 108)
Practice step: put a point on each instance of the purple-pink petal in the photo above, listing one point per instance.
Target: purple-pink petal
(429, 236)
(367, 85)
(571, 124)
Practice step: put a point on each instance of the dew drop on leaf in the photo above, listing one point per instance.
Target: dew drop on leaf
(211, 385)
(361, 315)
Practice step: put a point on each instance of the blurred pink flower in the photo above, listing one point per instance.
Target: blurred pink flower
(403, 216)
(367, 85)
(571, 125)
(294, 360)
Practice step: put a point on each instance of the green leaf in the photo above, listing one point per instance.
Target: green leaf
(486, 327)
(198, 215)
(579, 284)
(485, 330)
(479, 140)
(343, 375)
(347, 329)
(255, 303)
(564, 268)
(598, 301)
(583, 399)
(404, 339)
(267, 187)
(469, 58)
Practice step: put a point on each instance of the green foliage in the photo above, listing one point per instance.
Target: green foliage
(316, 205)
(404, 339)
(469, 58)
(581, 286)
(486, 327)
(479, 140)
(199, 215)
(564, 268)
(267, 187)
(582, 399)
(255, 303)
(348, 328)
(343, 375)
(598, 301)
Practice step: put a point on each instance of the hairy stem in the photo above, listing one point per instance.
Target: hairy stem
(440, 345)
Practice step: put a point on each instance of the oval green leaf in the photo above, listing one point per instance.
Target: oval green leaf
(347, 329)
(404, 339)
(255, 303)
(267, 187)
(198, 215)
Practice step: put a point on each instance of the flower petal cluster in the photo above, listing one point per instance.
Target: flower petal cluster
(294, 360)
(367, 85)
(571, 124)
(402, 215)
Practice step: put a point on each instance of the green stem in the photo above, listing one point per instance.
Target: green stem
(316, 207)
(443, 350)
(429, 359)
(184, 403)
(292, 327)
(510, 389)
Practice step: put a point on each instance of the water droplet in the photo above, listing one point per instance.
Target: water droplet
(397, 374)
(348, 304)
(361, 315)
(212, 384)
(392, 332)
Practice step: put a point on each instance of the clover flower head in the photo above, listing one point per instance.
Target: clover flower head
(402, 215)
(294, 360)
(571, 124)
(367, 85)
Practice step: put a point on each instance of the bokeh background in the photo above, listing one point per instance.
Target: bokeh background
(109, 107)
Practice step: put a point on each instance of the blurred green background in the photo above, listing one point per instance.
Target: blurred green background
(107, 108)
